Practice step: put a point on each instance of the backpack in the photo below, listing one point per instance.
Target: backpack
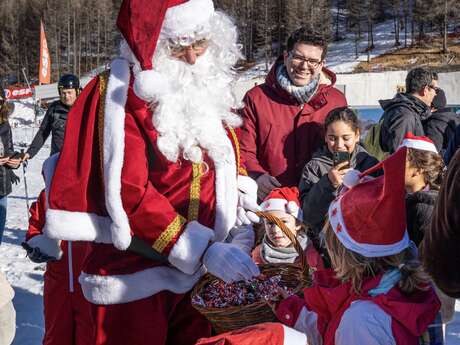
(371, 141)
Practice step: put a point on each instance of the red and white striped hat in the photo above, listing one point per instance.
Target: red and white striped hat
(285, 199)
(370, 217)
(419, 143)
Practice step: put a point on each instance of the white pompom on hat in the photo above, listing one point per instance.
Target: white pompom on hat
(285, 199)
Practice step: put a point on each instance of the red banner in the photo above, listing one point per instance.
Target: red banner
(44, 73)
(18, 92)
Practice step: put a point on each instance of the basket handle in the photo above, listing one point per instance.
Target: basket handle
(289, 234)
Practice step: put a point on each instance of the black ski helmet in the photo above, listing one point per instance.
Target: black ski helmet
(69, 81)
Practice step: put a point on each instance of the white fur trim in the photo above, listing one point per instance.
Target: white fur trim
(282, 205)
(365, 249)
(48, 246)
(351, 178)
(419, 145)
(48, 168)
(126, 288)
(148, 85)
(77, 226)
(189, 248)
(114, 146)
(293, 337)
(186, 18)
(226, 195)
(274, 205)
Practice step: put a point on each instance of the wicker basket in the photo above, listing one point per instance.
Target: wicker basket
(295, 276)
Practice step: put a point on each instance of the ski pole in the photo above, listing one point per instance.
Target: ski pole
(24, 170)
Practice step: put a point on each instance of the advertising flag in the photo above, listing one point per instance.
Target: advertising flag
(44, 74)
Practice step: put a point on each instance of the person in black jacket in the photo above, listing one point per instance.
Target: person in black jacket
(321, 180)
(454, 145)
(423, 178)
(55, 118)
(440, 126)
(406, 111)
(7, 162)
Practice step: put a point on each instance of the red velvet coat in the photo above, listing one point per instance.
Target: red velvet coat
(279, 136)
(111, 182)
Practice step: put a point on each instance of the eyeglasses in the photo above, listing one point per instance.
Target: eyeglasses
(297, 59)
(435, 88)
(179, 50)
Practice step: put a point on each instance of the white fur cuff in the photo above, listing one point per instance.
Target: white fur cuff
(77, 226)
(190, 246)
(124, 288)
(48, 246)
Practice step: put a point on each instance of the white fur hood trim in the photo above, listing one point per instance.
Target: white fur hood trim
(126, 288)
(114, 146)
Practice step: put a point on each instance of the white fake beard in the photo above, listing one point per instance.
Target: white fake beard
(191, 118)
(196, 101)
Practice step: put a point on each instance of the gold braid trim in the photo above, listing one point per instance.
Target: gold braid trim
(103, 77)
(240, 169)
(195, 189)
(171, 231)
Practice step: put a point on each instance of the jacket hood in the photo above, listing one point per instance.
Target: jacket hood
(327, 79)
(408, 101)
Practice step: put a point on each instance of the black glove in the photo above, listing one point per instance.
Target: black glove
(14, 178)
(35, 255)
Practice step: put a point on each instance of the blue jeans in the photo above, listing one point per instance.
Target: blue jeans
(3, 204)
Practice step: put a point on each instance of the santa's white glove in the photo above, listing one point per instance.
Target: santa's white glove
(229, 263)
(242, 236)
(247, 201)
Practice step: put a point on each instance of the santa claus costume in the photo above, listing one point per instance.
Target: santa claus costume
(150, 173)
(68, 315)
(369, 221)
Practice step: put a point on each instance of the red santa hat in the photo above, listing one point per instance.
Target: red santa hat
(143, 22)
(285, 199)
(418, 143)
(370, 217)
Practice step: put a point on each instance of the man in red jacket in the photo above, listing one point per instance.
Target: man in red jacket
(283, 117)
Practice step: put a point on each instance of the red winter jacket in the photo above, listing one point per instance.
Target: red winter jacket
(279, 136)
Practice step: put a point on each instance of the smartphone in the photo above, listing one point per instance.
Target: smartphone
(16, 155)
(340, 157)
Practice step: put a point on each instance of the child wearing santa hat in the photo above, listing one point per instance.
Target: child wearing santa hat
(377, 292)
(424, 173)
(276, 247)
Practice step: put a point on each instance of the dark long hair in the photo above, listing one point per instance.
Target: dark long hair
(441, 245)
(431, 165)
